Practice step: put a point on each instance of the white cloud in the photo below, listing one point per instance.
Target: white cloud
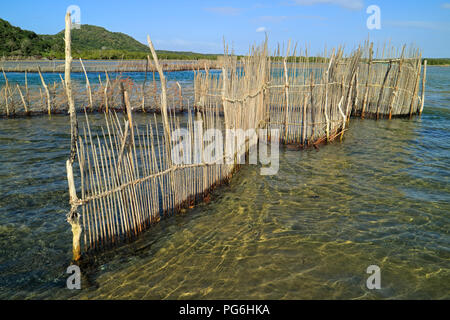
(261, 29)
(419, 24)
(226, 11)
(445, 5)
(347, 4)
(278, 19)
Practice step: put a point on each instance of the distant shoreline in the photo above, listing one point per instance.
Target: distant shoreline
(117, 65)
(136, 65)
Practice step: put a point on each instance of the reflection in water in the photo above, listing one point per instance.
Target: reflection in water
(380, 197)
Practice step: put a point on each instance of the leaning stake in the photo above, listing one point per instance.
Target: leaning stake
(163, 89)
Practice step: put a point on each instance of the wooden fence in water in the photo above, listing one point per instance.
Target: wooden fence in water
(128, 176)
(310, 100)
(107, 94)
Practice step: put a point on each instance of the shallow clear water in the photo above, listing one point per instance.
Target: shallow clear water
(381, 197)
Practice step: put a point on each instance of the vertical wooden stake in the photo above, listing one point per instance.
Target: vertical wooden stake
(327, 79)
(344, 117)
(143, 84)
(366, 93)
(6, 92)
(27, 95)
(286, 92)
(73, 217)
(424, 80)
(106, 92)
(180, 97)
(416, 86)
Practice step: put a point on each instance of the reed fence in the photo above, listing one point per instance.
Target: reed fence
(128, 176)
(310, 100)
(25, 100)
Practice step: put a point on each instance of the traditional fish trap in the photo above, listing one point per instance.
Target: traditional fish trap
(310, 99)
(128, 180)
(106, 95)
(243, 89)
(388, 85)
(132, 175)
(207, 88)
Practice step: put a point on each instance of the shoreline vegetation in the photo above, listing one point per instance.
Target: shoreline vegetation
(88, 43)
(443, 62)
(109, 54)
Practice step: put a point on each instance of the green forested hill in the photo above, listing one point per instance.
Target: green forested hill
(17, 42)
(88, 42)
(95, 38)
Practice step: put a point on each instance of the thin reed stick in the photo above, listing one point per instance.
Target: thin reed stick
(163, 89)
(23, 99)
(49, 103)
(88, 86)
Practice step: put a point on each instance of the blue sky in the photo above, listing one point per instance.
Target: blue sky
(201, 25)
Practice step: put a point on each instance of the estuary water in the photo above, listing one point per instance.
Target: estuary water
(380, 197)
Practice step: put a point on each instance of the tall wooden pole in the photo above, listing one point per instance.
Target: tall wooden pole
(73, 217)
